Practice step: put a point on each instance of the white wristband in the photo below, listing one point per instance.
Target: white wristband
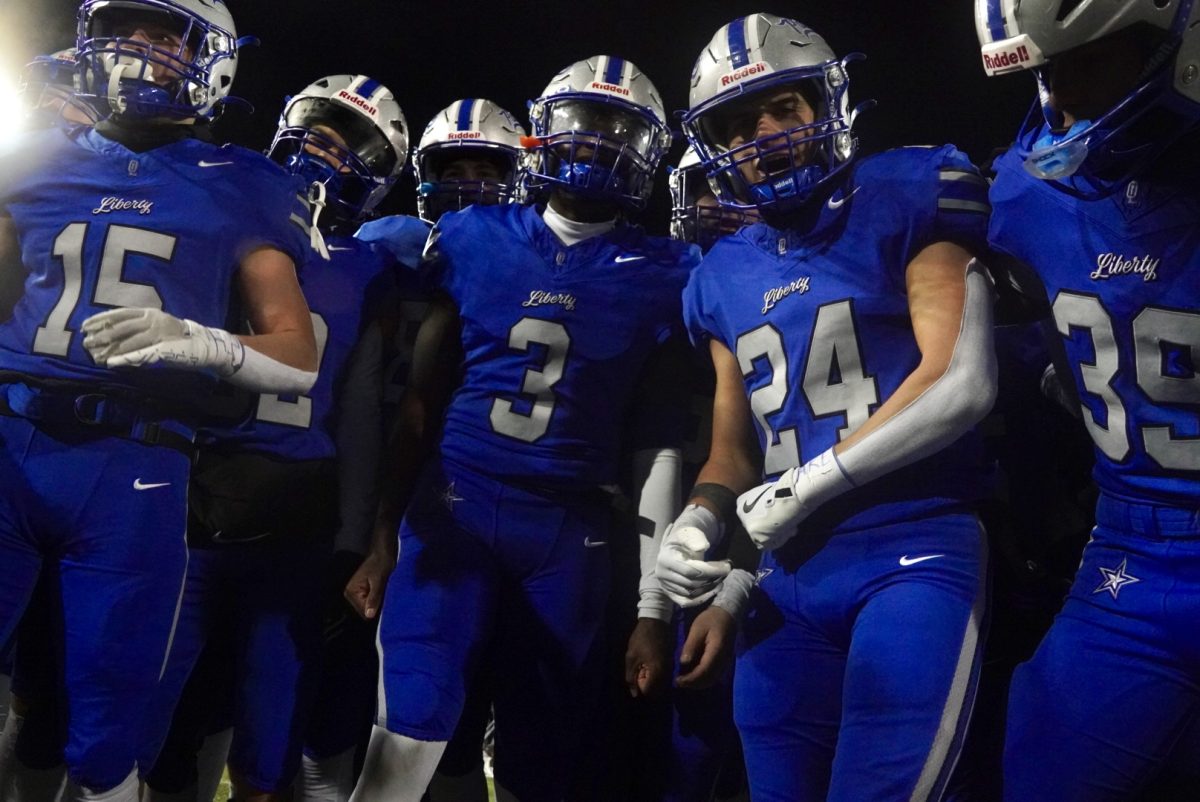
(734, 595)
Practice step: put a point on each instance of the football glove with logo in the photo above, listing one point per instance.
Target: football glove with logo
(771, 511)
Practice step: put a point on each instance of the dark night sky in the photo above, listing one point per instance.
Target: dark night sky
(922, 58)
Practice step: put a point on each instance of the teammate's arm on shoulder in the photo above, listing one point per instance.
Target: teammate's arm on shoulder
(12, 272)
(277, 310)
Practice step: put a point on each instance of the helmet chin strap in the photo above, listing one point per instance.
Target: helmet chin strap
(316, 196)
(123, 65)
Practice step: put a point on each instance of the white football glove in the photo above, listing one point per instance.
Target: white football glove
(771, 511)
(132, 337)
(686, 577)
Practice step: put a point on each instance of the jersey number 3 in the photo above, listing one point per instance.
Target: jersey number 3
(537, 388)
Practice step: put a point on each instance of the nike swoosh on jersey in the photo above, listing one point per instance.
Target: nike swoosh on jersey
(203, 163)
(906, 560)
(749, 505)
(338, 248)
(217, 537)
(838, 203)
(623, 259)
(139, 485)
(593, 544)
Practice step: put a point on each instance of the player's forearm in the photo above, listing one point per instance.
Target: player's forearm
(656, 476)
(735, 473)
(935, 405)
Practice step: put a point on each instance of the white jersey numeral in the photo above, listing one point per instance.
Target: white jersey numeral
(298, 412)
(835, 382)
(53, 337)
(538, 383)
(1152, 328)
(765, 342)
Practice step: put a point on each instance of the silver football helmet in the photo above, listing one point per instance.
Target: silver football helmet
(696, 215)
(600, 130)
(468, 130)
(752, 64)
(347, 134)
(145, 76)
(1030, 34)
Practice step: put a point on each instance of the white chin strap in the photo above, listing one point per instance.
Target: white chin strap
(121, 69)
(316, 196)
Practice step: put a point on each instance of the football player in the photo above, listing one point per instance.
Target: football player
(850, 333)
(265, 501)
(145, 217)
(469, 154)
(561, 319)
(1097, 196)
(696, 215)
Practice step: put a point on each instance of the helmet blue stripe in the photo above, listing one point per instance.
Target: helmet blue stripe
(738, 53)
(464, 114)
(995, 21)
(369, 87)
(612, 73)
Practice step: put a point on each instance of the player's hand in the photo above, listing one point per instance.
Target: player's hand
(686, 577)
(708, 649)
(132, 337)
(648, 657)
(364, 591)
(771, 512)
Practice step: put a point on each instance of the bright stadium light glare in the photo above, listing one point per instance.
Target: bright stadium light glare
(12, 112)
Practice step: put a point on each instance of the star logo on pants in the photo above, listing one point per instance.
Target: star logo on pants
(449, 497)
(1114, 580)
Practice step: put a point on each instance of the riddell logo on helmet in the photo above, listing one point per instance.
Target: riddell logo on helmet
(465, 135)
(603, 87)
(1006, 59)
(358, 101)
(1011, 55)
(741, 74)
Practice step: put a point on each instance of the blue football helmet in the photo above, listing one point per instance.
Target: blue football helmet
(48, 91)
(476, 129)
(599, 130)
(747, 65)
(346, 136)
(1104, 152)
(186, 72)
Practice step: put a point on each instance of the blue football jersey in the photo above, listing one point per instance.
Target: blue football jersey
(404, 237)
(339, 294)
(1122, 275)
(819, 323)
(554, 339)
(101, 226)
